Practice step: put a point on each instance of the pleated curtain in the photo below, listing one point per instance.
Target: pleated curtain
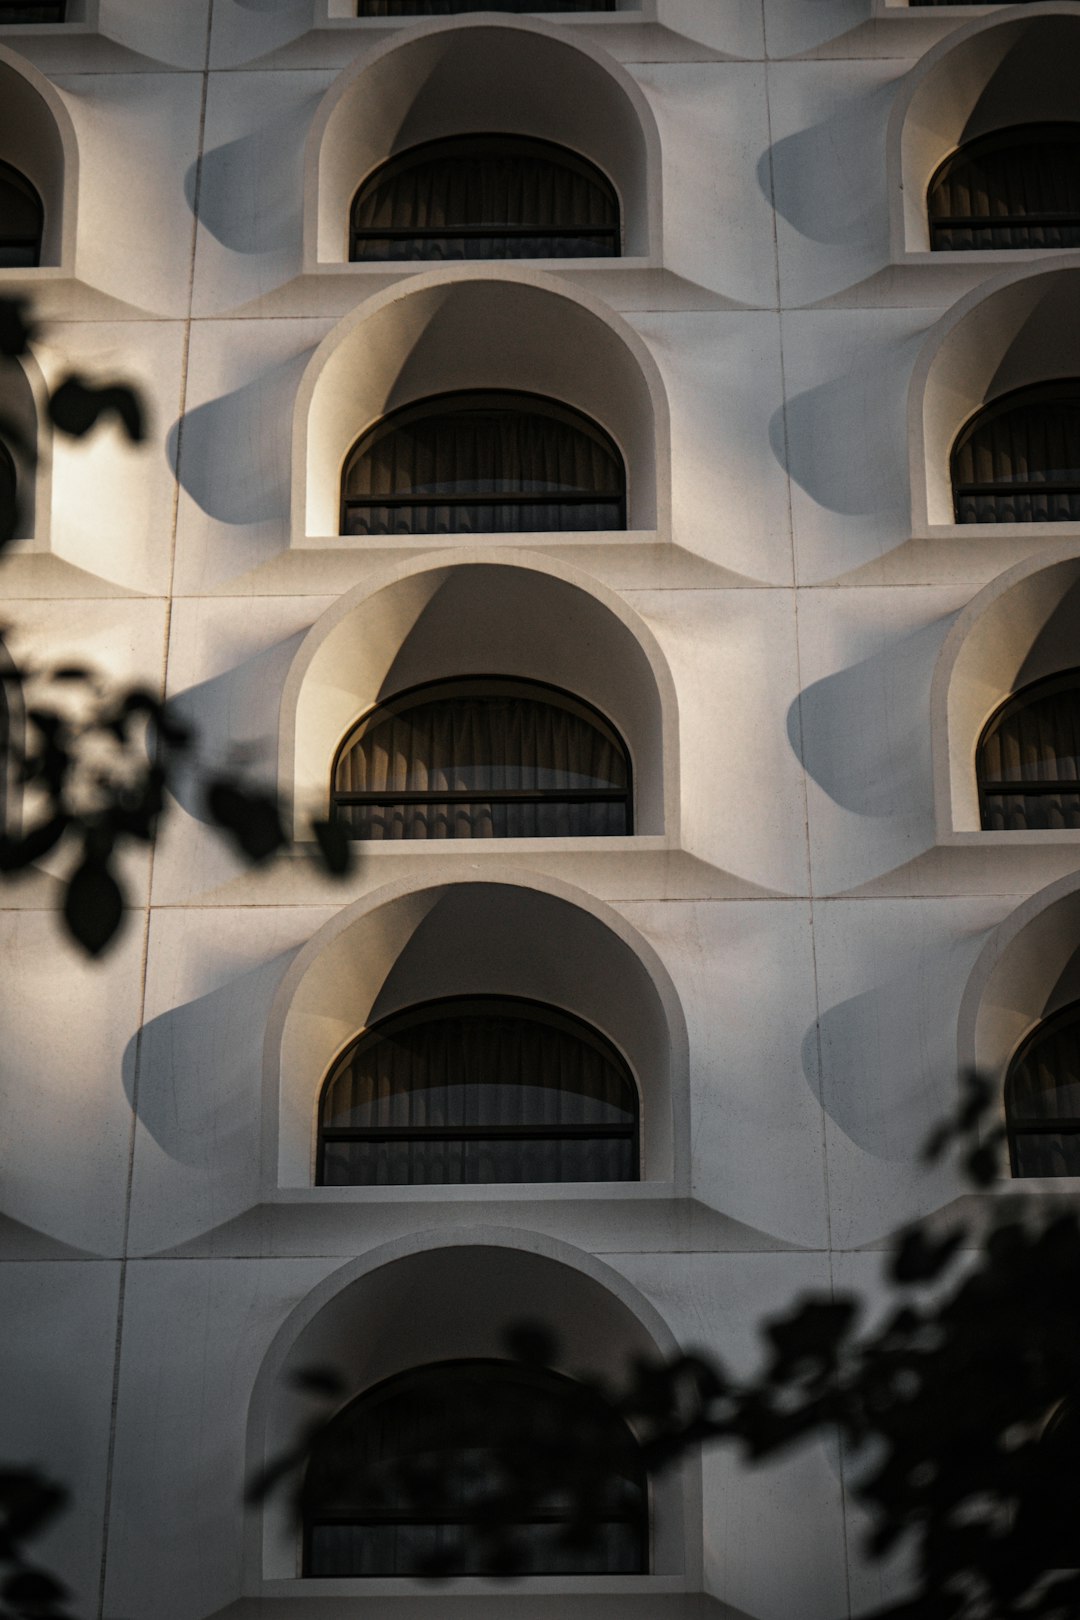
(485, 183)
(414, 1468)
(479, 1072)
(453, 8)
(471, 454)
(1029, 171)
(21, 219)
(1044, 1090)
(1037, 739)
(1004, 461)
(484, 746)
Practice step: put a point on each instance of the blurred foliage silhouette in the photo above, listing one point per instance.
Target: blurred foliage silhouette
(88, 764)
(951, 1397)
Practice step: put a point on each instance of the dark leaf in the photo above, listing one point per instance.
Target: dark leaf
(16, 853)
(77, 406)
(16, 330)
(920, 1257)
(334, 846)
(70, 672)
(31, 1591)
(93, 905)
(253, 818)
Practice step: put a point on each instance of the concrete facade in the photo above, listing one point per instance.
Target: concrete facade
(807, 935)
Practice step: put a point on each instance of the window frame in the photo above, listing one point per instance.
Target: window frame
(1000, 405)
(1049, 1125)
(512, 8)
(504, 796)
(641, 1519)
(10, 173)
(549, 1013)
(569, 158)
(1036, 787)
(1056, 131)
(479, 498)
(58, 7)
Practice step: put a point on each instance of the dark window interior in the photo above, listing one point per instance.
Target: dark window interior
(485, 197)
(1018, 460)
(410, 1478)
(454, 8)
(483, 463)
(1016, 188)
(483, 758)
(1028, 759)
(37, 11)
(1042, 1099)
(478, 1089)
(21, 220)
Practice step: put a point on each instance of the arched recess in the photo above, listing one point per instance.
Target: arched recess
(463, 75)
(37, 138)
(1018, 630)
(997, 71)
(493, 613)
(502, 934)
(1023, 331)
(1028, 970)
(436, 1296)
(478, 327)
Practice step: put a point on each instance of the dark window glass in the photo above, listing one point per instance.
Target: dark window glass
(1017, 188)
(1042, 1099)
(408, 1478)
(21, 220)
(454, 8)
(8, 491)
(474, 1090)
(483, 463)
(485, 197)
(1018, 460)
(968, 2)
(1028, 759)
(36, 11)
(484, 758)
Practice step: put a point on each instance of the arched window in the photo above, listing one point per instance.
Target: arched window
(482, 758)
(1016, 188)
(1042, 1098)
(483, 463)
(420, 1475)
(454, 8)
(1028, 759)
(8, 494)
(485, 197)
(478, 1089)
(31, 11)
(1018, 460)
(22, 220)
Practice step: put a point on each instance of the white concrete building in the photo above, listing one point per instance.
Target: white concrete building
(795, 918)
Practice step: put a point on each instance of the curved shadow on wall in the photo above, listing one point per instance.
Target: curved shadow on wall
(826, 180)
(863, 734)
(843, 441)
(232, 455)
(250, 190)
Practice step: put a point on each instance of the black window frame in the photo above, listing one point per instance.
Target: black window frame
(1009, 489)
(493, 1368)
(344, 798)
(56, 12)
(416, 155)
(1021, 787)
(513, 8)
(555, 408)
(1047, 1124)
(539, 1012)
(994, 142)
